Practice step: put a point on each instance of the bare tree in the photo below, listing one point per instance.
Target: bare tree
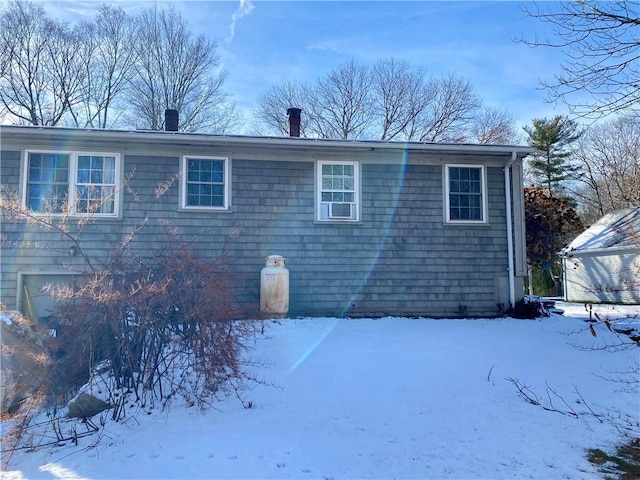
(493, 126)
(609, 156)
(174, 69)
(601, 48)
(399, 96)
(389, 101)
(105, 72)
(340, 105)
(452, 106)
(108, 56)
(66, 63)
(36, 87)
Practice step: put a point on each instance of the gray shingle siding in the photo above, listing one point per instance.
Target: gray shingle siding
(401, 259)
(10, 233)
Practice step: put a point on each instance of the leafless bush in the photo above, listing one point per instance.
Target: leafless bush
(141, 331)
(25, 371)
(16, 425)
(166, 325)
(625, 335)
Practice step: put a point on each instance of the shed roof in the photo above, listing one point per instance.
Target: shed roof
(617, 229)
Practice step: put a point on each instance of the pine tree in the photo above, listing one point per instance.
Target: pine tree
(552, 139)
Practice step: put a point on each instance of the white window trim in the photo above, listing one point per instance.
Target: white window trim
(483, 183)
(357, 190)
(72, 179)
(183, 184)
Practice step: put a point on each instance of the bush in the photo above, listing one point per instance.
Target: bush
(529, 308)
(165, 325)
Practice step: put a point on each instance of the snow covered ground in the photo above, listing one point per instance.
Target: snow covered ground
(384, 398)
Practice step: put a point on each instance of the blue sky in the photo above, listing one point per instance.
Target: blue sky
(266, 42)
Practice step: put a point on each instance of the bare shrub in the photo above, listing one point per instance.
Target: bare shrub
(16, 425)
(166, 325)
(142, 331)
(25, 367)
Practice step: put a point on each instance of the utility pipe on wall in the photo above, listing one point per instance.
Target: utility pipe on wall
(507, 191)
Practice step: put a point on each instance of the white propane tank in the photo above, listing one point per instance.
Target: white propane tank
(274, 287)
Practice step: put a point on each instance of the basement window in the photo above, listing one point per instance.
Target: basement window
(73, 183)
(466, 199)
(338, 191)
(205, 183)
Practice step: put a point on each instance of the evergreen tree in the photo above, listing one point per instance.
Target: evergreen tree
(552, 139)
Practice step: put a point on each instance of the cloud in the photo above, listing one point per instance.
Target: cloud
(327, 45)
(245, 8)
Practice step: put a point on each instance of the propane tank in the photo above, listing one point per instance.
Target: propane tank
(274, 287)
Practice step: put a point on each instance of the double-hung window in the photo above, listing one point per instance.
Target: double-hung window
(338, 191)
(95, 184)
(205, 183)
(466, 199)
(72, 183)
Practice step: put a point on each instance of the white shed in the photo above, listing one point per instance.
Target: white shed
(602, 265)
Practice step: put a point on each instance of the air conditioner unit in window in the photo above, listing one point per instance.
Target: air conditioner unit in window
(340, 210)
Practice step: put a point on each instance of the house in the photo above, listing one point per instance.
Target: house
(367, 228)
(602, 265)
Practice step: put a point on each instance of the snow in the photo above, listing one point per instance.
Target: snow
(614, 229)
(383, 398)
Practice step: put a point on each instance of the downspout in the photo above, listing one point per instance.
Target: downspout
(507, 191)
(565, 258)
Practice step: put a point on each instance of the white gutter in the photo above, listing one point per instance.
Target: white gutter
(599, 251)
(507, 191)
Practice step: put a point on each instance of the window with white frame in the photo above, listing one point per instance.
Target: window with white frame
(338, 191)
(465, 193)
(205, 183)
(72, 182)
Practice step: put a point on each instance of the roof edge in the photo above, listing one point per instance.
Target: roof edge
(520, 150)
(596, 251)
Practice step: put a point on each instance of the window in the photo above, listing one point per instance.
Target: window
(75, 182)
(338, 195)
(96, 184)
(205, 183)
(465, 198)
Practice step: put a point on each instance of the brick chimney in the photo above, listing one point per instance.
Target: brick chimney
(294, 121)
(171, 120)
